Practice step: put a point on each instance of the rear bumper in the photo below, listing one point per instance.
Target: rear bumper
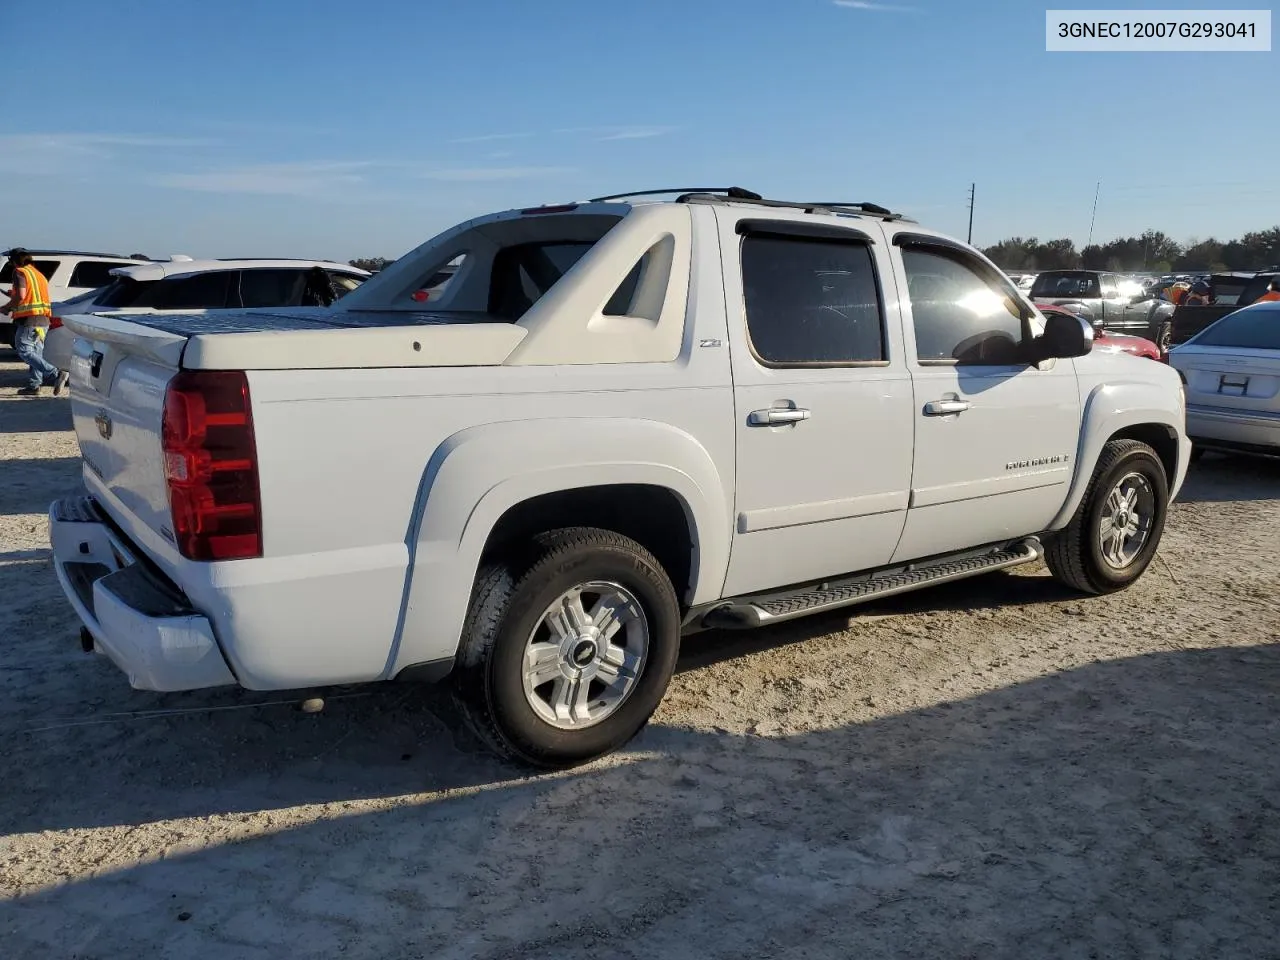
(1241, 429)
(140, 621)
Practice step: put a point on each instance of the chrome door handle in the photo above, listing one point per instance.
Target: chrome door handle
(942, 408)
(772, 416)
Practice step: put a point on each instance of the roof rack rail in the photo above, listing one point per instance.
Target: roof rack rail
(735, 193)
(862, 208)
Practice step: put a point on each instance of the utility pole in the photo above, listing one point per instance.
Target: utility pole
(1094, 217)
(973, 189)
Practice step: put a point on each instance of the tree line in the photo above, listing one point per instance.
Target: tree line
(1153, 252)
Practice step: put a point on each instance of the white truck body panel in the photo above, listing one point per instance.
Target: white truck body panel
(391, 439)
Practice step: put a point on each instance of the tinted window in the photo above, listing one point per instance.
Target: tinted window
(1060, 285)
(270, 287)
(197, 291)
(1255, 329)
(123, 292)
(46, 267)
(92, 273)
(811, 301)
(523, 274)
(1253, 290)
(957, 314)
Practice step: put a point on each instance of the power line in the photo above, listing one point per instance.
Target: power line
(1094, 216)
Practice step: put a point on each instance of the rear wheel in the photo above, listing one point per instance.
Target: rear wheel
(567, 651)
(1117, 528)
(1164, 337)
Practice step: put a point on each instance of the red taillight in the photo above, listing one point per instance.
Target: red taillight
(211, 465)
(55, 323)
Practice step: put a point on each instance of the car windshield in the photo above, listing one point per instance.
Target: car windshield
(1066, 285)
(1256, 329)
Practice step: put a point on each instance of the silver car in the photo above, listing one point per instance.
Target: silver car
(1232, 375)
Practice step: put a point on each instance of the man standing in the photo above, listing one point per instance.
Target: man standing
(30, 307)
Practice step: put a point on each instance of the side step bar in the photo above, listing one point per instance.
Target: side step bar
(771, 608)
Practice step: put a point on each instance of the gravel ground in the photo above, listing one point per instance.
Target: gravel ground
(997, 768)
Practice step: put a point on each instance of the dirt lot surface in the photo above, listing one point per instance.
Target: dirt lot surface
(994, 769)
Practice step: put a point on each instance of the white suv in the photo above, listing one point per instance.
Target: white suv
(70, 273)
(184, 285)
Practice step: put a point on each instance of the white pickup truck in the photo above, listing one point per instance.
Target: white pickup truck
(613, 424)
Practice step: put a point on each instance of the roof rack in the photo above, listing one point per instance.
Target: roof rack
(734, 193)
(44, 251)
(741, 195)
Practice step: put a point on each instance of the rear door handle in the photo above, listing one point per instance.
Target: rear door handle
(772, 416)
(942, 408)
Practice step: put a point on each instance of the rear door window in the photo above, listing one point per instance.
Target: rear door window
(197, 291)
(92, 273)
(46, 267)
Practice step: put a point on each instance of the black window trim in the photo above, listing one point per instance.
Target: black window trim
(963, 255)
(787, 230)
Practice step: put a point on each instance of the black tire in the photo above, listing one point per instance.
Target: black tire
(1164, 336)
(1074, 555)
(507, 603)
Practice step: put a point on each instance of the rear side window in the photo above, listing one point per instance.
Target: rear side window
(47, 267)
(92, 273)
(1257, 329)
(522, 275)
(344, 283)
(198, 291)
(811, 301)
(270, 288)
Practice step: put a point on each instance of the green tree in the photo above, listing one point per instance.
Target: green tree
(372, 264)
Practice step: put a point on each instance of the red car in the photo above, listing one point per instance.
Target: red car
(1114, 342)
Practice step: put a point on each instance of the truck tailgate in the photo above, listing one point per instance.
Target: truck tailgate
(119, 371)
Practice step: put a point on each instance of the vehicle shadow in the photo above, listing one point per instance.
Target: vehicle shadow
(1122, 809)
(987, 592)
(29, 485)
(1222, 477)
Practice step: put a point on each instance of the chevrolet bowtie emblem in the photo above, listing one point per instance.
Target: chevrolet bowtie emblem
(104, 424)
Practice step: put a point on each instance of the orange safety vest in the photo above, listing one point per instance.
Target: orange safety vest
(35, 302)
(1269, 297)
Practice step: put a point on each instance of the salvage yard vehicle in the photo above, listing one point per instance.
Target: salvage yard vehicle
(1232, 375)
(1105, 342)
(1111, 302)
(183, 285)
(621, 421)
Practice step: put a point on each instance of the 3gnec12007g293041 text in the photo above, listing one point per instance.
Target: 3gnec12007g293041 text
(1143, 30)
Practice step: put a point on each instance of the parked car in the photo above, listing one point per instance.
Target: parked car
(185, 285)
(1106, 342)
(70, 273)
(1232, 375)
(1107, 302)
(1230, 292)
(619, 423)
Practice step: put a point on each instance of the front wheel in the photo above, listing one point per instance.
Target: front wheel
(1118, 525)
(1164, 337)
(566, 653)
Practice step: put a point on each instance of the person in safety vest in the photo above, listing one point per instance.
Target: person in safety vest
(1201, 294)
(1178, 292)
(31, 310)
(1273, 291)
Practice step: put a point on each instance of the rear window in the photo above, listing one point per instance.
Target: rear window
(46, 267)
(1062, 285)
(92, 273)
(269, 287)
(523, 274)
(1255, 288)
(1257, 329)
(122, 292)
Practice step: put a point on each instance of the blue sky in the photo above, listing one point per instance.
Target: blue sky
(336, 129)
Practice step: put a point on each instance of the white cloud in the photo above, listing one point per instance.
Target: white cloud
(279, 179)
(482, 174)
(491, 137)
(48, 153)
(603, 134)
(867, 5)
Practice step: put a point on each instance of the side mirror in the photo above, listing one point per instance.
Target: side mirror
(1064, 337)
